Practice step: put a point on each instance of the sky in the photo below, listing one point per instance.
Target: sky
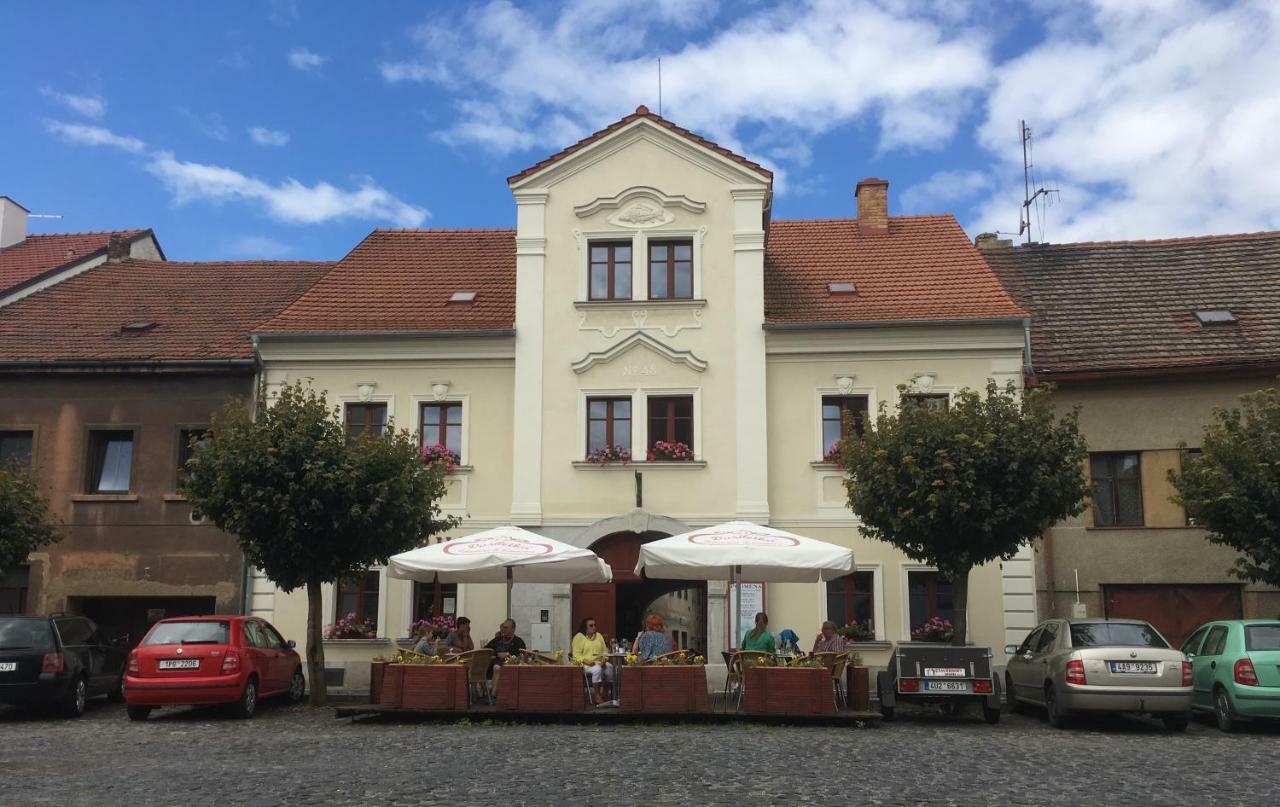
(288, 129)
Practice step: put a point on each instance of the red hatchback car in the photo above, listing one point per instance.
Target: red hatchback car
(206, 660)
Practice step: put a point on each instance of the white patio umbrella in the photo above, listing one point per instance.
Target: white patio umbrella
(503, 554)
(741, 550)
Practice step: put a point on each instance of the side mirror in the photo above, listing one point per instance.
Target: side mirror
(291, 643)
(1011, 650)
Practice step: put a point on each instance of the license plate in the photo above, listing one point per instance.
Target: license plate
(944, 672)
(8, 666)
(179, 664)
(946, 686)
(1139, 667)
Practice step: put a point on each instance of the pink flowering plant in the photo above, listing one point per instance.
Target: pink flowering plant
(663, 451)
(609, 454)
(832, 455)
(441, 455)
(431, 623)
(935, 630)
(348, 627)
(857, 631)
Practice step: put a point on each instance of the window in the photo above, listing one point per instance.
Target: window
(253, 633)
(1047, 639)
(110, 461)
(671, 270)
(434, 599)
(1118, 634)
(13, 593)
(849, 599)
(928, 596)
(608, 423)
(610, 271)
(194, 632)
(75, 632)
(840, 414)
(1192, 645)
(1032, 641)
(442, 426)
(671, 420)
(188, 441)
(1262, 638)
(1117, 489)
(15, 447)
(932, 402)
(368, 418)
(358, 595)
(1188, 458)
(1215, 641)
(274, 639)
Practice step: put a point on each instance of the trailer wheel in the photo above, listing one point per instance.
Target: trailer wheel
(991, 714)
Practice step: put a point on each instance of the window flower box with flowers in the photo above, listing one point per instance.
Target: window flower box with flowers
(349, 627)
(609, 455)
(441, 455)
(664, 451)
(935, 630)
(856, 631)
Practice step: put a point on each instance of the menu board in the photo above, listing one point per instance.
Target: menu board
(745, 601)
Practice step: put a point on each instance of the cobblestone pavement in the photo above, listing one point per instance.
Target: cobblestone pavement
(305, 756)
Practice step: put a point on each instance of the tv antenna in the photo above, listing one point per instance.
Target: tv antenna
(659, 86)
(1028, 197)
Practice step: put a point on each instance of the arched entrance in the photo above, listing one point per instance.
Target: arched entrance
(619, 607)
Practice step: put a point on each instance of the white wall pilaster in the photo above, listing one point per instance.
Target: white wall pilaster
(531, 259)
(749, 354)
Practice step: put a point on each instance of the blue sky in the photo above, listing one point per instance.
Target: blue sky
(289, 129)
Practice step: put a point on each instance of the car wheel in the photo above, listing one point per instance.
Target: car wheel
(139, 712)
(1010, 696)
(116, 695)
(1176, 723)
(248, 703)
(297, 687)
(887, 713)
(77, 699)
(1224, 711)
(1054, 711)
(991, 714)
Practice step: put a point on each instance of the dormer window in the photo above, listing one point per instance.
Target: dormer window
(671, 270)
(610, 270)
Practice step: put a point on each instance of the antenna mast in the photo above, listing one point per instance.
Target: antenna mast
(659, 86)
(1028, 197)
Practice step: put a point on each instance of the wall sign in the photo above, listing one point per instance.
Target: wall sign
(746, 599)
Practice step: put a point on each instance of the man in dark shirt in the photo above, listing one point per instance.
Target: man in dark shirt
(504, 644)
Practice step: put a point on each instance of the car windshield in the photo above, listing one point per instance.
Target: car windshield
(24, 634)
(1115, 634)
(1256, 637)
(202, 632)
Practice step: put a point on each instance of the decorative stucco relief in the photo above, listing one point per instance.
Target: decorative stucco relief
(640, 205)
(685, 357)
(668, 320)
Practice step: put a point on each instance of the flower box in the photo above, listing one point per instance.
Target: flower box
(788, 691)
(377, 670)
(858, 687)
(664, 689)
(389, 683)
(540, 688)
(441, 687)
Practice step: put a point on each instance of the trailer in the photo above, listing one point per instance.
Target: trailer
(940, 674)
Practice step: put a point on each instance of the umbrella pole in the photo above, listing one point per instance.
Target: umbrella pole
(509, 582)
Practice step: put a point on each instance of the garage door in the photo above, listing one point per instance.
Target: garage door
(1175, 610)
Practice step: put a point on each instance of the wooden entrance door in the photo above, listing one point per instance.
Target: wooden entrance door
(1174, 610)
(598, 601)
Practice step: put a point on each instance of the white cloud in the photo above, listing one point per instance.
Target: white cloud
(1156, 118)
(90, 106)
(210, 125)
(939, 192)
(521, 82)
(268, 137)
(87, 135)
(289, 200)
(258, 246)
(303, 59)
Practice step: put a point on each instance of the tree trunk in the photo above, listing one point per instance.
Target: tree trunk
(315, 644)
(960, 605)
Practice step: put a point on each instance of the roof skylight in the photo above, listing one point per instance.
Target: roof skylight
(463, 297)
(841, 287)
(137, 327)
(1216, 316)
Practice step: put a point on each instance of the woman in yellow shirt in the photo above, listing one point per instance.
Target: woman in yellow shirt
(590, 649)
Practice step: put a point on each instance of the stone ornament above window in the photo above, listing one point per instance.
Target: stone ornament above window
(844, 383)
(439, 389)
(641, 215)
(365, 390)
(923, 382)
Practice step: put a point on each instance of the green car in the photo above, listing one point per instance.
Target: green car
(1235, 670)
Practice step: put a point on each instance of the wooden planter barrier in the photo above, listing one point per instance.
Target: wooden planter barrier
(663, 689)
(788, 691)
(377, 669)
(441, 687)
(540, 688)
(858, 685)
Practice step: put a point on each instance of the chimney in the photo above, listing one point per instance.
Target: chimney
(117, 247)
(873, 206)
(989, 241)
(13, 222)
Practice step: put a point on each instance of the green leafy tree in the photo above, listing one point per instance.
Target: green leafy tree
(963, 487)
(308, 505)
(24, 521)
(1233, 488)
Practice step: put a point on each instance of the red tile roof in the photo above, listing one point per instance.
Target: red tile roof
(43, 253)
(923, 268)
(200, 311)
(642, 112)
(402, 281)
(1128, 307)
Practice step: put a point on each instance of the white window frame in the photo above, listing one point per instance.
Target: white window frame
(664, 392)
(462, 398)
(389, 400)
(329, 598)
(877, 598)
(821, 392)
(612, 392)
(639, 260)
(950, 392)
(907, 568)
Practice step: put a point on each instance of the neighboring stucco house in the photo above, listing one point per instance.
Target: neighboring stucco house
(30, 262)
(1146, 337)
(104, 378)
(646, 295)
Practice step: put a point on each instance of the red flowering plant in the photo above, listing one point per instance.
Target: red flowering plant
(348, 627)
(663, 451)
(431, 623)
(609, 454)
(832, 455)
(857, 631)
(440, 455)
(935, 630)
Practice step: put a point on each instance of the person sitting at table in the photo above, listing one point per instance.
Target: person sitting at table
(789, 642)
(591, 650)
(459, 639)
(759, 638)
(653, 641)
(432, 641)
(504, 643)
(828, 640)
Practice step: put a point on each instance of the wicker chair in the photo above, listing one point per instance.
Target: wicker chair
(672, 654)
(734, 679)
(477, 662)
(837, 680)
(534, 657)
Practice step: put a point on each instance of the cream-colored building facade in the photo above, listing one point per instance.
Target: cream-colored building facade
(747, 387)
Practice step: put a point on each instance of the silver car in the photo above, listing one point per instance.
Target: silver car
(1099, 665)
